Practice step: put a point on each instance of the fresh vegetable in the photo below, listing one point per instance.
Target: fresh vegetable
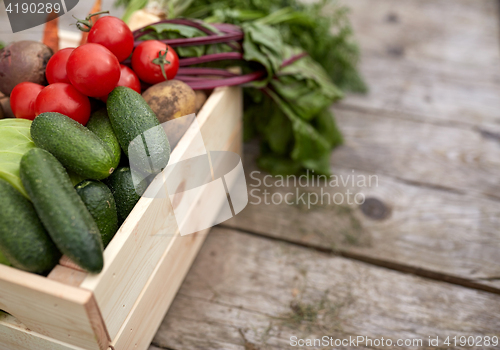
(23, 61)
(154, 62)
(51, 32)
(15, 141)
(101, 204)
(93, 70)
(114, 34)
(132, 118)
(23, 239)
(56, 67)
(320, 28)
(61, 210)
(271, 29)
(74, 177)
(22, 100)
(128, 79)
(289, 90)
(93, 16)
(75, 146)
(122, 186)
(5, 107)
(170, 100)
(100, 125)
(65, 99)
(201, 98)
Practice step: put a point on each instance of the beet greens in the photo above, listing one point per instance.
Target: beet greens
(287, 93)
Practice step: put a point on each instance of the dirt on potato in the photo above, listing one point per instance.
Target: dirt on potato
(170, 99)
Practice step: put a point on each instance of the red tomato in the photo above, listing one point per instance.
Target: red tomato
(22, 100)
(65, 99)
(114, 34)
(127, 78)
(56, 67)
(147, 59)
(93, 70)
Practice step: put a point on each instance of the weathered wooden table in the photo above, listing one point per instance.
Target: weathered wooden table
(421, 257)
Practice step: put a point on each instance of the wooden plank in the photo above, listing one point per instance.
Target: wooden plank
(140, 327)
(433, 60)
(460, 31)
(461, 159)
(52, 309)
(17, 336)
(438, 92)
(67, 275)
(150, 227)
(245, 292)
(143, 321)
(416, 226)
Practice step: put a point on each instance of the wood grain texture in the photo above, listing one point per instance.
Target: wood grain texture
(246, 292)
(424, 227)
(140, 327)
(464, 160)
(453, 31)
(433, 60)
(136, 249)
(67, 275)
(50, 308)
(430, 91)
(15, 335)
(144, 319)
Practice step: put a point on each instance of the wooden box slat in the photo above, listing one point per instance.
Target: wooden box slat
(136, 250)
(52, 309)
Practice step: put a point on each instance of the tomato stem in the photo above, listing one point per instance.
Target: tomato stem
(162, 61)
(86, 24)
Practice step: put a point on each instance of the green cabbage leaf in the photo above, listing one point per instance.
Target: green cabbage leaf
(15, 141)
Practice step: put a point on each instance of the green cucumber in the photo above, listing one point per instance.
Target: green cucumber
(101, 204)
(121, 185)
(75, 146)
(23, 239)
(61, 209)
(132, 119)
(100, 125)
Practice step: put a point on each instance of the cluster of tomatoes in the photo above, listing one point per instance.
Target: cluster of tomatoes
(94, 70)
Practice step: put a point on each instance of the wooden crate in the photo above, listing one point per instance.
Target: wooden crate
(145, 263)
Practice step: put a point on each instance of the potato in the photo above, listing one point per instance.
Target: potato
(201, 98)
(170, 100)
(23, 61)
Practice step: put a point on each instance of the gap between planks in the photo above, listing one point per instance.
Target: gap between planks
(240, 283)
(408, 269)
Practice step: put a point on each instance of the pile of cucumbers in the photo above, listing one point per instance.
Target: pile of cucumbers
(77, 221)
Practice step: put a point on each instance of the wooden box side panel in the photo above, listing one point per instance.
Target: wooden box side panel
(52, 309)
(143, 321)
(15, 335)
(135, 251)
